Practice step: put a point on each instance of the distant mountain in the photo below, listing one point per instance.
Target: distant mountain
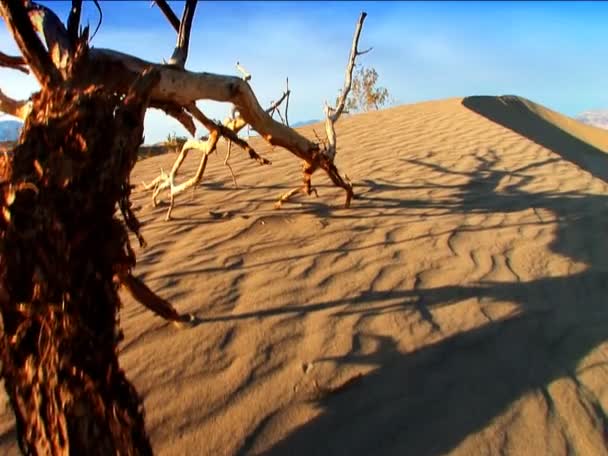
(9, 130)
(596, 118)
(304, 122)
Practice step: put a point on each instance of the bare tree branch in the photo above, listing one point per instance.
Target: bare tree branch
(169, 14)
(230, 128)
(146, 297)
(354, 52)
(183, 88)
(96, 3)
(207, 147)
(365, 51)
(333, 114)
(33, 51)
(180, 54)
(14, 62)
(287, 102)
(46, 22)
(325, 160)
(74, 20)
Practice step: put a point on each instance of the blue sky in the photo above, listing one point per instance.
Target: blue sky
(554, 53)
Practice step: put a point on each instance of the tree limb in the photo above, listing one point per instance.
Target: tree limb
(207, 147)
(33, 51)
(117, 70)
(180, 54)
(176, 86)
(169, 14)
(74, 20)
(354, 52)
(14, 62)
(333, 114)
(229, 129)
(146, 297)
(287, 91)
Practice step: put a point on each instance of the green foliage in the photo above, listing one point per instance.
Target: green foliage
(365, 95)
(175, 141)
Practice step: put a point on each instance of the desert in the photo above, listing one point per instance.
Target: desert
(457, 307)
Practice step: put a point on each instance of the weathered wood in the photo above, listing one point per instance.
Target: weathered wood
(17, 20)
(180, 54)
(333, 114)
(183, 88)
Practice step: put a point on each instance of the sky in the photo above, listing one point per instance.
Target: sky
(553, 53)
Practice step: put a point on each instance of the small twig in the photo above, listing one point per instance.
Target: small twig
(243, 71)
(280, 115)
(228, 164)
(96, 3)
(364, 52)
(287, 101)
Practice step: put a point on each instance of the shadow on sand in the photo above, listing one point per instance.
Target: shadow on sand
(428, 401)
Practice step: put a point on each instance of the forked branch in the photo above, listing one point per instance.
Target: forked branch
(180, 54)
(181, 88)
(207, 147)
(333, 114)
(34, 54)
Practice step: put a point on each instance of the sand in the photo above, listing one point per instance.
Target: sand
(458, 307)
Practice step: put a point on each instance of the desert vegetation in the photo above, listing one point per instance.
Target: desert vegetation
(366, 94)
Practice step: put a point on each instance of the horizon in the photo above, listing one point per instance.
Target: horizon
(549, 52)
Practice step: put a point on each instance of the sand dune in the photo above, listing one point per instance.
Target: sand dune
(458, 307)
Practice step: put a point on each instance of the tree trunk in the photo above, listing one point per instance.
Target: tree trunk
(63, 255)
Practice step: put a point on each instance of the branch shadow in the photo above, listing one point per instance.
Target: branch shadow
(428, 401)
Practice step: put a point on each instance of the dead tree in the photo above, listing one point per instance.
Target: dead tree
(64, 252)
(315, 155)
(231, 126)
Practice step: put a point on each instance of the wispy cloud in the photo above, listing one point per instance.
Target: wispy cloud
(551, 52)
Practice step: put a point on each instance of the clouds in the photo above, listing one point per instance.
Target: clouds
(553, 53)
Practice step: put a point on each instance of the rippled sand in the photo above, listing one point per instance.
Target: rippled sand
(459, 306)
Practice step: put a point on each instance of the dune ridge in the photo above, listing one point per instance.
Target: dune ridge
(458, 307)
